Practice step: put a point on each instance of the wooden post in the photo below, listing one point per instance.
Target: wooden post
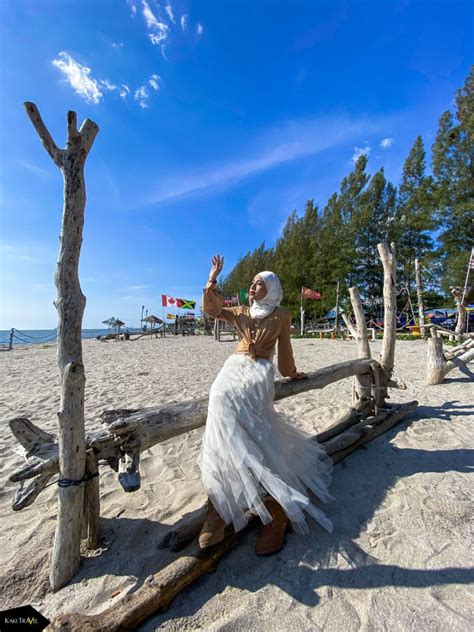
(301, 313)
(459, 296)
(336, 322)
(387, 355)
(362, 382)
(91, 502)
(435, 359)
(419, 291)
(12, 333)
(70, 303)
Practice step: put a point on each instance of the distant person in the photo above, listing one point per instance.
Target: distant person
(251, 457)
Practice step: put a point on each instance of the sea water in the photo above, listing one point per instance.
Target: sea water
(41, 336)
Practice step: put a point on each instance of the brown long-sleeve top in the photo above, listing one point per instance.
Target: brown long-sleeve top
(258, 337)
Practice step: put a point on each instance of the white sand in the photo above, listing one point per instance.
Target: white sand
(398, 558)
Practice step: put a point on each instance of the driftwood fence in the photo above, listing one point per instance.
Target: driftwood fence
(75, 458)
(126, 433)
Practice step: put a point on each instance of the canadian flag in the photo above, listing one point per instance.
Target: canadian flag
(166, 301)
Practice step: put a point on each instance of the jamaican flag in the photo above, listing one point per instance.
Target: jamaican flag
(243, 296)
(185, 304)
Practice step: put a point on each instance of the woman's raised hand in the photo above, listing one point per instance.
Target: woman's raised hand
(217, 265)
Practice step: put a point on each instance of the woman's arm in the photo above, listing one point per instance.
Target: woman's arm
(213, 302)
(286, 362)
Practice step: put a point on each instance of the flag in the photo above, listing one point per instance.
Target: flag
(230, 301)
(170, 316)
(185, 304)
(306, 292)
(166, 301)
(243, 296)
(471, 260)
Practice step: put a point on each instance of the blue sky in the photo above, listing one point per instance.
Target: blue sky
(217, 119)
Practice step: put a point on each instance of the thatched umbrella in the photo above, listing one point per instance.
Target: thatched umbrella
(114, 322)
(153, 320)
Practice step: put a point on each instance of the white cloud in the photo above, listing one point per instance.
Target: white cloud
(169, 11)
(360, 151)
(141, 95)
(117, 44)
(158, 31)
(199, 29)
(35, 169)
(184, 21)
(106, 85)
(79, 78)
(284, 144)
(124, 91)
(133, 8)
(154, 82)
(386, 143)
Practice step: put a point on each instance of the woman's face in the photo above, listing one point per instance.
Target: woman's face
(257, 289)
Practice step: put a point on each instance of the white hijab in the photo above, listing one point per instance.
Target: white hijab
(271, 300)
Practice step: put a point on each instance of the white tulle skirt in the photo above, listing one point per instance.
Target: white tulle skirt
(249, 450)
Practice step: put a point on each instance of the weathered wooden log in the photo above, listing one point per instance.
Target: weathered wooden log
(456, 351)
(91, 502)
(437, 367)
(397, 413)
(159, 589)
(362, 390)
(156, 593)
(387, 355)
(128, 431)
(459, 296)
(352, 417)
(70, 303)
(419, 291)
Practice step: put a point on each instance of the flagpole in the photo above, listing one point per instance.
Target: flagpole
(164, 321)
(302, 312)
(337, 307)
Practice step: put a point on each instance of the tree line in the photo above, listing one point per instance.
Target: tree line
(428, 216)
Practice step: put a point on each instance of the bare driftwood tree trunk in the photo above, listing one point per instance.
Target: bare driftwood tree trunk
(387, 356)
(438, 364)
(419, 291)
(363, 383)
(70, 303)
(460, 299)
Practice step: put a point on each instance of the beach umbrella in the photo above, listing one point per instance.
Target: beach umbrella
(153, 320)
(110, 322)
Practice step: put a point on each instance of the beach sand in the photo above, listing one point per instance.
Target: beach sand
(398, 558)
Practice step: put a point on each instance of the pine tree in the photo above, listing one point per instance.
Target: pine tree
(415, 214)
(453, 168)
(349, 201)
(373, 223)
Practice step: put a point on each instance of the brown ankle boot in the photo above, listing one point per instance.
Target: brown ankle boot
(272, 535)
(213, 529)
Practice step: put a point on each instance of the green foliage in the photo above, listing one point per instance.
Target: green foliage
(428, 217)
(453, 168)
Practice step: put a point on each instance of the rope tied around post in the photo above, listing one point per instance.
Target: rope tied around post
(69, 482)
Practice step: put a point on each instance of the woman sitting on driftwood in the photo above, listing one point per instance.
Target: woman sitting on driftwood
(251, 457)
